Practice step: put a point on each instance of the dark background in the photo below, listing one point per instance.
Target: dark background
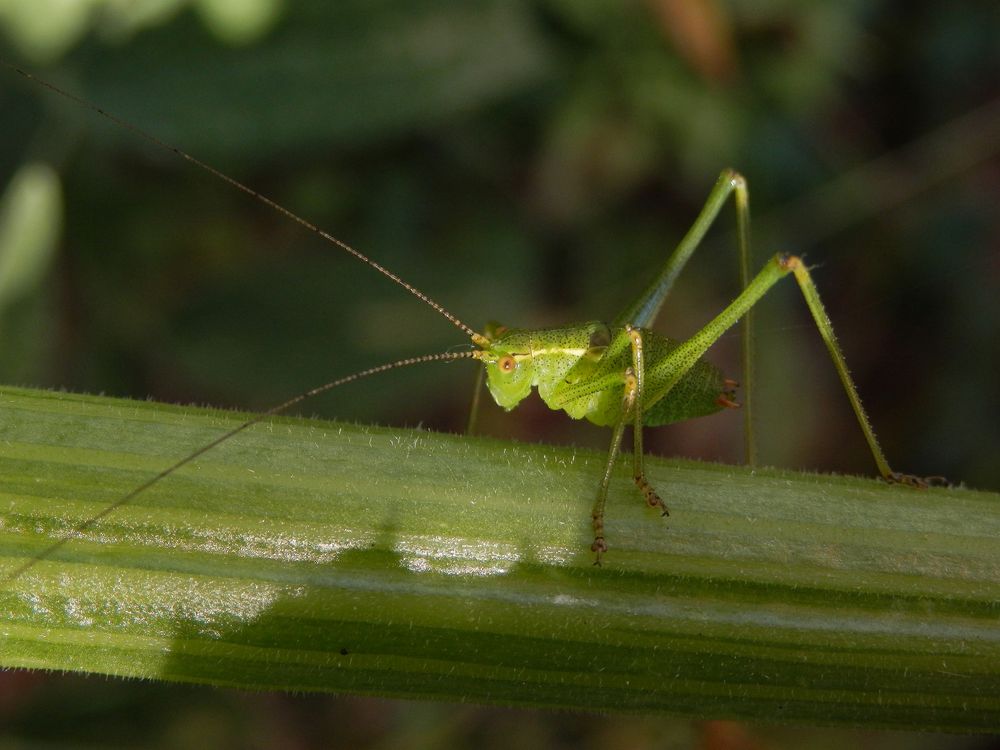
(529, 162)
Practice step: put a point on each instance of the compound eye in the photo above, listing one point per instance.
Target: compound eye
(507, 363)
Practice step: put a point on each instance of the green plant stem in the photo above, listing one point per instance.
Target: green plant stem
(307, 555)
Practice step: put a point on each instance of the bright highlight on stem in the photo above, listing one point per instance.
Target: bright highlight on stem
(308, 555)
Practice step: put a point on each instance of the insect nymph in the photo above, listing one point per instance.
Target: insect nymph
(624, 373)
(614, 374)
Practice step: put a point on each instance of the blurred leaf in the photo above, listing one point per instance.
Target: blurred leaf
(350, 72)
(44, 30)
(702, 32)
(240, 21)
(30, 224)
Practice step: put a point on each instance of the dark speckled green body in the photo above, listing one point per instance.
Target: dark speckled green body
(623, 373)
(581, 370)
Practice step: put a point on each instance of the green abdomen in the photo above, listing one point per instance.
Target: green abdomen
(593, 388)
(695, 395)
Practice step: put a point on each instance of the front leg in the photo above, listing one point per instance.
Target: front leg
(635, 408)
(631, 407)
(599, 547)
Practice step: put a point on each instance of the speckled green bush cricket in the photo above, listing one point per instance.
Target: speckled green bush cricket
(613, 374)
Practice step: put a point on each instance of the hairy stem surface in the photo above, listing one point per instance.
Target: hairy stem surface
(307, 555)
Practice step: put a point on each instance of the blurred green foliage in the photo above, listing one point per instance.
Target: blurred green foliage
(30, 213)
(526, 161)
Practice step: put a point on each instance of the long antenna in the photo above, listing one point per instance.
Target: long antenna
(81, 527)
(477, 338)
